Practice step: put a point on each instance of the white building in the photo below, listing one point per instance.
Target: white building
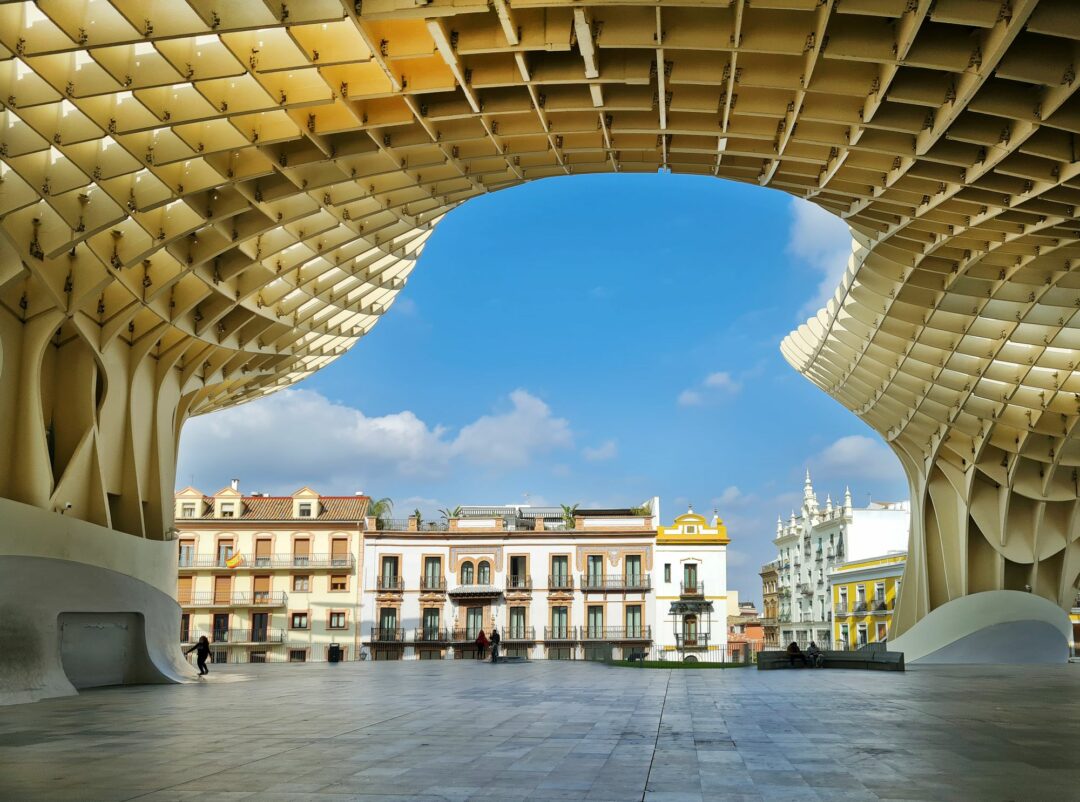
(605, 583)
(814, 543)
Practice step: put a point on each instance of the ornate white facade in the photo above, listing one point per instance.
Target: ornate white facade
(816, 542)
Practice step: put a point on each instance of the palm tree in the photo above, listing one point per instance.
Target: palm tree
(568, 513)
(418, 516)
(449, 513)
(381, 510)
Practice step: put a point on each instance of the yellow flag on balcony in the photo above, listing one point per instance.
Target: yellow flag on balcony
(234, 561)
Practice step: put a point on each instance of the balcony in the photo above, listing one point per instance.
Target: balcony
(518, 633)
(692, 589)
(521, 582)
(389, 584)
(560, 582)
(387, 635)
(432, 635)
(433, 584)
(699, 640)
(615, 582)
(475, 591)
(236, 637)
(560, 633)
(466, 635)
(251, 562)
(260, 599)
(591, 633)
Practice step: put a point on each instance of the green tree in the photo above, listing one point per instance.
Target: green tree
(418, 516)
(381, 510)
(568, 513)
(448, 512)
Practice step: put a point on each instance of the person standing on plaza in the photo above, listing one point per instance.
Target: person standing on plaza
(495, 641)
(481, 645)
(202, 651)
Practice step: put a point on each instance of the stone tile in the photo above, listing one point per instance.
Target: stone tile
(553, 731)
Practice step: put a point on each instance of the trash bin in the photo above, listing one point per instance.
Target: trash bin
(333, 653)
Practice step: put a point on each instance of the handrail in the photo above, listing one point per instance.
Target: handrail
(389, 583)
(210, 599)
(560, 582)
(387, 634)
(616, 633)
(615, 582)
(250, 561)
(560, 633)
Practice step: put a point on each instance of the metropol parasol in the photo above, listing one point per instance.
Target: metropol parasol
(205, 201)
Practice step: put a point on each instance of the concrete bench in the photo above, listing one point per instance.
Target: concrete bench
(867, 660)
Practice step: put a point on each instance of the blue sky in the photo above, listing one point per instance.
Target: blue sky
(593, 340)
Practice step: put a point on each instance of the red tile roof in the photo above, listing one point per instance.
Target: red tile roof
(280, 508)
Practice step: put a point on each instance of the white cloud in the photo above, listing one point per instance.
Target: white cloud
(712, 387)
(690, 398)
(298, 437)
(609, 449)
(858, 457)
(823, 242)
(731, 496)
(723, 381)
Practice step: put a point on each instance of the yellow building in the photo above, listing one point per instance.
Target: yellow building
(864, 594)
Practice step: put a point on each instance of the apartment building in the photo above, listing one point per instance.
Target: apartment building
(770, 597)
(600, 583)
(864, 594)
(270, 578)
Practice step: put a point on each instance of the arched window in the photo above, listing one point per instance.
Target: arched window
(483, 573)
(466, 573)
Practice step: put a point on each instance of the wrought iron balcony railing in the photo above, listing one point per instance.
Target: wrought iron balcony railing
(257, 599)
(519, 582)
(389, 584)
(432, 583)
(616, 633)
(685, 641)
(518, 633)
(387, 635)
(615, 582)
(191, 562)
(560, 582)
(235, 636)
(560, 633)
(692, 588)
(431, 635)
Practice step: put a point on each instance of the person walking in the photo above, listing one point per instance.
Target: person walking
(495, 641)
(202, 651)
(481, 645)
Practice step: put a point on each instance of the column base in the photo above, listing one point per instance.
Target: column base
(82, 606)
(997, 626)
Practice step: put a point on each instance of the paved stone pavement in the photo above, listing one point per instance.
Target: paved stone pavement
(457, 730)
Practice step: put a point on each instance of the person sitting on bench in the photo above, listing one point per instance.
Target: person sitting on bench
(795, 653)
(817, 657)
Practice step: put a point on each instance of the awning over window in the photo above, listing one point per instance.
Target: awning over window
(684, 607)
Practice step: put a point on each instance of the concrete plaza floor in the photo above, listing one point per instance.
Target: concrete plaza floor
(456, 730)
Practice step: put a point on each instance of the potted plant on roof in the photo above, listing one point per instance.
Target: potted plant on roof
(568, 513)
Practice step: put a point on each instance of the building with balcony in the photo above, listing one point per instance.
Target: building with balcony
(746, 635)
(692, 585)
(770, 596)
(864, 594)
(269, 578)
(812, 544)
(595, 584)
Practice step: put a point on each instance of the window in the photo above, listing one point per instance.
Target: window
(337, 620)
(305, 509)
(559, 628)
(227, 510)
(517, 623)
(596, 621)
(301, 583)
(297, 655)
(879, 592)
(187, 553)
(845, 635)
(691, 530)
(862, 634)
(388, 573)
(431, 623)
(474, 622)
(843, 600)
(667, 572)
(187, 510)
(301, 551)
(224, 552)
(690, 630)
(882, 632)
(483, 573)
(220, 627)
(432, 573)
(338, 583)
(298, 621)
(560, 571)
(518, 573)
(595, 570)
(185, 628)
(690, 581)
(633, 621)
(339, 551)
(633, 571)
(466, 573)
(257, 656)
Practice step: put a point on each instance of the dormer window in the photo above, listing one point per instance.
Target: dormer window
(304, 509)
(187, 510)
(228, 510)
